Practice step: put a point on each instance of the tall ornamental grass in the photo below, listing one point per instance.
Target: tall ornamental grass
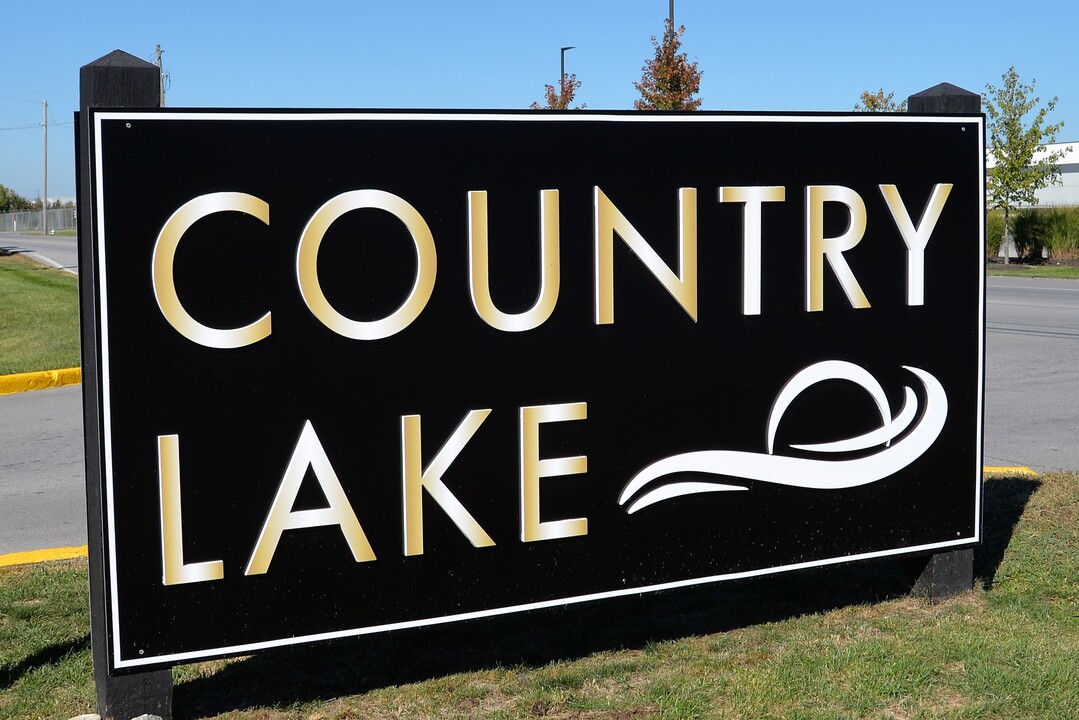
(1054, 230)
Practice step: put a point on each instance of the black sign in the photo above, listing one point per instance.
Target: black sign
(365, 371)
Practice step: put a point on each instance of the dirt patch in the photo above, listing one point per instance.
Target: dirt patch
(542, 709)
(896, 712)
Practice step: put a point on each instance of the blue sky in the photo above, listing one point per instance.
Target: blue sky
(485, 54)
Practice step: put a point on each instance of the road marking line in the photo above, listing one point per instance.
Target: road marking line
(21, 382)
(38, 556)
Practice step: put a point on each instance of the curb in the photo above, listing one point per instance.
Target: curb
(39, 556)
(22, 382)
(1010, 471)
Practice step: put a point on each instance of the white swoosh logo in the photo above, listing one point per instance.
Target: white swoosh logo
(808, 472)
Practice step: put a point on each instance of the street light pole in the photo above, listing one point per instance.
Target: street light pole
(562, 76)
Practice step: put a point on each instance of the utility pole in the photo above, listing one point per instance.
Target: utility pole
(45, 167)
(670, 16)
(157, 61)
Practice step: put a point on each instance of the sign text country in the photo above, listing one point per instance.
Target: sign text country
(366, 371)
(609, 224)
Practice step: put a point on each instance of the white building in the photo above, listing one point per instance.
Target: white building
(1066, 193)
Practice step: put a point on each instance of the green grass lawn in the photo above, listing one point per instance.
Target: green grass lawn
(1069, 272)
(39, 317)
(828, 644)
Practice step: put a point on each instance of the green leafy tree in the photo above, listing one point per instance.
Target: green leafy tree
(879, 102)
(562, 99)
(1017, 129)
(669, 79)
(11, 201)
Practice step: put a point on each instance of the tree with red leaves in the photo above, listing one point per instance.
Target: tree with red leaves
(669, 81)
(560, 100)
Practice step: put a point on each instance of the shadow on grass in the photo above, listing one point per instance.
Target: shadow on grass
(354, 666)
(1003, 502)
(533, 639)
(11, 250)
(50, 655)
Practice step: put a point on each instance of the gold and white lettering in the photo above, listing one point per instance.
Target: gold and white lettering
(174, 570)
(165, 283)
(916, 238)
(610, 220)
(307, 264)
(308, 453)
(533, 468)
(479, 265)
(753, 197)
(818, 247)
(430, 479)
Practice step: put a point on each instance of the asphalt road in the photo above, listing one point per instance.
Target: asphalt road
(62, 252)
(42, 495)
(1031, 415)
(1032, 373)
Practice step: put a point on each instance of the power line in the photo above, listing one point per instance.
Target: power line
(8, 98)
(69, 123)
(37, 126)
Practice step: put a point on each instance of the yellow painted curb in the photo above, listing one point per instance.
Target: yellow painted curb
(1011, 470)
(37, 556)
(22, 382)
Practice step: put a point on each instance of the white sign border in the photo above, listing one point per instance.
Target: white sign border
(428, 116)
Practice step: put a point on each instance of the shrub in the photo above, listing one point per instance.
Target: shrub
(1062, 232)
(1054, 229)
(994, 229)
(1030, 231)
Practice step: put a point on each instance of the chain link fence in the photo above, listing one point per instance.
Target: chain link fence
(59, 219)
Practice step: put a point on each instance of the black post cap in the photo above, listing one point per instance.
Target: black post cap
(120, 79)
(945, 98)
